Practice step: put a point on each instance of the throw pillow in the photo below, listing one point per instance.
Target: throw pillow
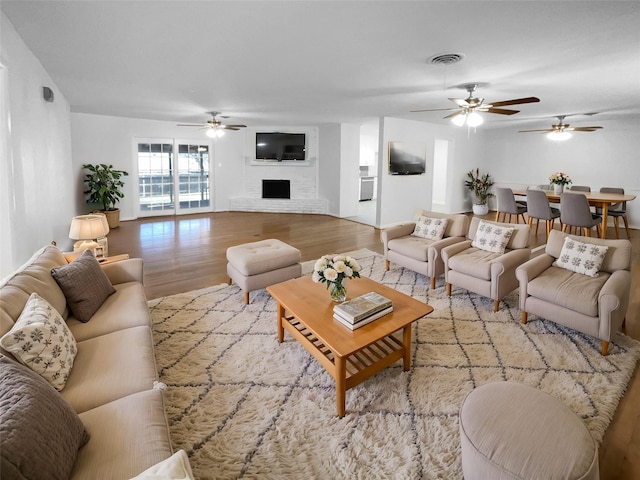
(41, 340)
(492, 237)
(431, 228)
(176, 467)
(579, 257)
(40, 434)
(84, 284)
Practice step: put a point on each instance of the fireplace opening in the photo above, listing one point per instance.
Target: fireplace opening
(276, 189)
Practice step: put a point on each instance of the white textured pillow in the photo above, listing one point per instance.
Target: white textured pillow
(41, 340)
(579, 257)
(176, 467)
(431, 228)
(491, 237)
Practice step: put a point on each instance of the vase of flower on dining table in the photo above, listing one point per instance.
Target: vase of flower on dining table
(334, 270)
(559, 180)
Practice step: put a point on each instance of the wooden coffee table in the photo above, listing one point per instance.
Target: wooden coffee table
(305, 310)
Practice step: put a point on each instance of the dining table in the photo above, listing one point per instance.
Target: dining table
(595, 199)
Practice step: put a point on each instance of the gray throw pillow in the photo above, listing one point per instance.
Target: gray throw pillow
(40, 434)
(84, 284)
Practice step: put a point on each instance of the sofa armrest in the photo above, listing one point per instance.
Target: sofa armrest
(451, 250)
(130, 270)
(530, 270)
(435, 249)
(396, 231)
(613, 301)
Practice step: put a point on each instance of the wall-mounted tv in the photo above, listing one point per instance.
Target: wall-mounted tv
(407, 158)
(280, 146)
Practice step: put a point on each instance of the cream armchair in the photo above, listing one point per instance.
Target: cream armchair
(487, 273)
(419, 254)
(595, 306)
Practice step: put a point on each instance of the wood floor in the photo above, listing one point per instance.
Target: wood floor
(188, 252)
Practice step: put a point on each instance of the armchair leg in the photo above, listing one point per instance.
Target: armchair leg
(433, 283)
(386, 265)
(246, 298)
(605, 348)
(624, 323)
(524, 318)
(496, 305)
(230, 281)
(448, 289)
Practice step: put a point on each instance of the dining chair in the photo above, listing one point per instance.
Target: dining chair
(507, 205)
(576, 212)
(580, 188)
(616, 211)
(538, 208)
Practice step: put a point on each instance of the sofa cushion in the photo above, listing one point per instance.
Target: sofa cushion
(130, 298)
(176, 467)
(568, 289)
(491, 237)
(128, 436)
(428, 227)
(33, 276)
(41, 340)
(473, 262)
(111, 366)
(411, 246)
(84, 284)
(40, 434)
(581, 257)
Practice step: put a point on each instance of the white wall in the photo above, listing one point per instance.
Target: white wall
(37, 204)
(605, 158)
(399, 196)
(111, 140)
(329, 151)
(349, 169)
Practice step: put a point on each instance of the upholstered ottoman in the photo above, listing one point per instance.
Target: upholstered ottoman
(260, 264)
(513, 431)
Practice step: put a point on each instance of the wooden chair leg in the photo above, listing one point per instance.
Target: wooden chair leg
(564, 227)
(530, 222)
(448, 289)
(605, 348)
(598, 231)
(616, 225)
(524, 318)
(246, 298)
(496, 305)
(523, 220)
(433, 283)
(497, 216)
(626, 226)
(537, 225)
(386, 265)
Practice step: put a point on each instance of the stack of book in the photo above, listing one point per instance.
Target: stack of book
(361, 310)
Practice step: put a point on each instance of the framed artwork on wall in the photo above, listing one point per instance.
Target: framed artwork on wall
(407, 158)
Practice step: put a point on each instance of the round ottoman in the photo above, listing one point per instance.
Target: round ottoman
(512, 431)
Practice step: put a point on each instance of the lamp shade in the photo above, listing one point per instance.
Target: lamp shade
(562, 135)
(88, 227)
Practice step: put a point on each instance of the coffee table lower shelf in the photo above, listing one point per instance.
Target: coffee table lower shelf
(355, 368)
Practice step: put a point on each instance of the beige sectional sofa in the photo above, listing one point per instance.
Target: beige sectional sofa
(112, 385)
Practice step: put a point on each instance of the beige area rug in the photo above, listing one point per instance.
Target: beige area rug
(244, 406)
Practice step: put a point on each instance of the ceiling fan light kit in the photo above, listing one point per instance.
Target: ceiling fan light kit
(214, 127)
(560, 131)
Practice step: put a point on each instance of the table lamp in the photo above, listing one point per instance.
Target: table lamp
(87, 228)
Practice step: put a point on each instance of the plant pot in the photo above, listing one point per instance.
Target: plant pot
(113, 217)
(557, 189)
(480, 209)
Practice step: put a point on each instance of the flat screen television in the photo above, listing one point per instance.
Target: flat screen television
(407, 158)
(280, 146)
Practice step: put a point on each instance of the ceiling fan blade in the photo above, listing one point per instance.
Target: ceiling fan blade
(501, 111)
(436, 110)
(192, 124)
(228, 127)
(451, 115)
(516, 101)
(586, 129)
(233, 126)
(544, 130)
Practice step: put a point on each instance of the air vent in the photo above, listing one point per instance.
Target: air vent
(446, 58)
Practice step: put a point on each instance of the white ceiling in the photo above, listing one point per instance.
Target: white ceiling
(314, 62)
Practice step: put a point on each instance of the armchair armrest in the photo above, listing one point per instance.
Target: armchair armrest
(436, 247)
(451, 250)
(613, 301)
(130, 270)
(530, 270)
(396, 231)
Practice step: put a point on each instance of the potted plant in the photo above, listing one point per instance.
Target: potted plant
(479, 186)
(104, 186)
(559, 180)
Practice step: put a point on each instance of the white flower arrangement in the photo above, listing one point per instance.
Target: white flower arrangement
(559, 178)
(333, 269)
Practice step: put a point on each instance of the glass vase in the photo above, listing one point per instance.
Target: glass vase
(338, 291)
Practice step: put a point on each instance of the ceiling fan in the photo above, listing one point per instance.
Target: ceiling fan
(467, 109)
(560, 130)
(215, 128)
